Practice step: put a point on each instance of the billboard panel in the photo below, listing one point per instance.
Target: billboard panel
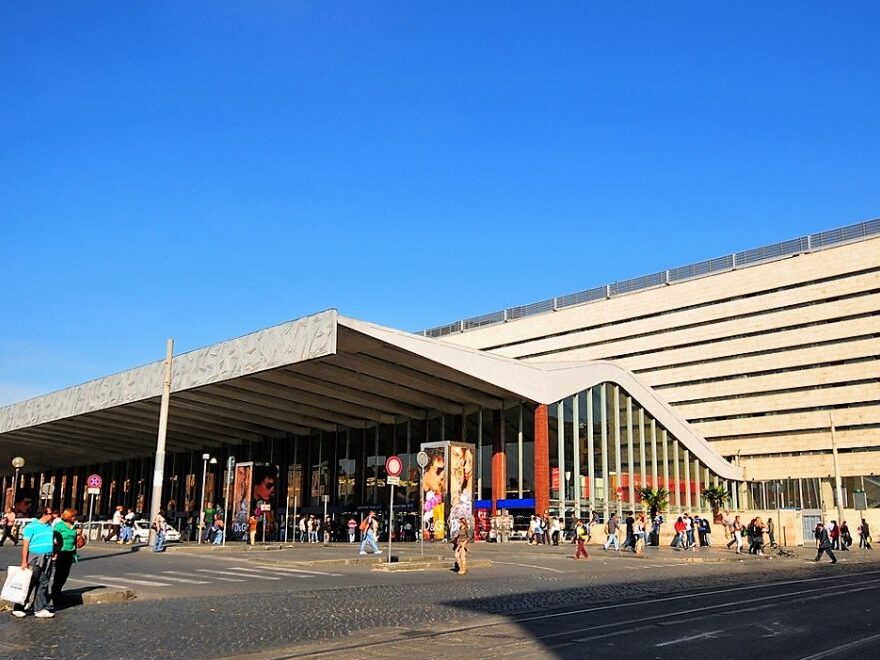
(241, 501)
(447, 488)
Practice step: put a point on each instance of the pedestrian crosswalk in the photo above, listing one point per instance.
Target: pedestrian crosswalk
(165, 579)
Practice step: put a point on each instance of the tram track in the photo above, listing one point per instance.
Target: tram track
(792, 593)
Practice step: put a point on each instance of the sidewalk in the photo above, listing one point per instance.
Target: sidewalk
(520, 550)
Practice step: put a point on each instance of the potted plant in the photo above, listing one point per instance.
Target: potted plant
(716, 496)
(656, 499)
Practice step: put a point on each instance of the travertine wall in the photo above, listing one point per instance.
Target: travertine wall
(755, 359)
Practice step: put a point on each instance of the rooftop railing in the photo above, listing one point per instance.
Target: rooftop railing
(744, 259)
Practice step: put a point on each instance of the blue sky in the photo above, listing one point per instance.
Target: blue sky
(203, 170)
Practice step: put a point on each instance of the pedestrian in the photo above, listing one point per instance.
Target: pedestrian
(728, 528)
(220, 530)
(845, 537)
(9, 527)
(252, 529)
(771, 532)
(460, 545)
(706, 530)
(679, 541)
(824, 543)
(352, 529)
(689, 530)
(127, 532)
(64, 531)
(629, 540)
(639, 535)
(326, 527)
(539, 531)
(554, 530)
(580, 536)
(756, 537)
(37, 548)
(864, 535)
(737, 535)
(368, 534)
(115, 526)
(303, 529)
(834, 534)
(161, 529)
(611, 531)
(698, 525)
(655, 529)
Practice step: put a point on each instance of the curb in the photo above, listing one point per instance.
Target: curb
(108, 595)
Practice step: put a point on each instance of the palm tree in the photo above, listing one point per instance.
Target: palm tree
(655, 498)
(716, 496)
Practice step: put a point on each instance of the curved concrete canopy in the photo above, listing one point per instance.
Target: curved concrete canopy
(314, 373)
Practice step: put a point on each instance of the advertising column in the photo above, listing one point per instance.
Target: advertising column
(448, 487)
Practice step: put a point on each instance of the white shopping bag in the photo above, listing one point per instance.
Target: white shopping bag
(15, 589)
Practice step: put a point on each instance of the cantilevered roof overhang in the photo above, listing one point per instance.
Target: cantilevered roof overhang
(314, 373)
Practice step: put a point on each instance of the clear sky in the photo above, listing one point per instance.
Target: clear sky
(203, 170)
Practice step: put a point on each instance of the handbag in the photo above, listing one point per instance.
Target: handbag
(18, 582)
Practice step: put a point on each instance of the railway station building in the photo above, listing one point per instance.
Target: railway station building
(743, 372)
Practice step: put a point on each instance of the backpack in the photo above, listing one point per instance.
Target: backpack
(365, 525)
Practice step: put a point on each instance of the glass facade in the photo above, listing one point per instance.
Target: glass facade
(604, 448)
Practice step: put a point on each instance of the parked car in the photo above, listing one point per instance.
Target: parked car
(99, 530)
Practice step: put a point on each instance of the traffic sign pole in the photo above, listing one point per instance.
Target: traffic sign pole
(390, 522)
(393, 468)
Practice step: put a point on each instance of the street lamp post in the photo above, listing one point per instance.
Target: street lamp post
(17, 463)
(205, 458)
(230, 466)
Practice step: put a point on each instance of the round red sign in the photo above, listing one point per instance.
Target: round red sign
(94, 481)
(393, 466)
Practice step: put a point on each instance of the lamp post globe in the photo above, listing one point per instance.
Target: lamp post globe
(17, 463)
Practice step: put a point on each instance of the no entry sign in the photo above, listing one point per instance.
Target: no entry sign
(393, 466)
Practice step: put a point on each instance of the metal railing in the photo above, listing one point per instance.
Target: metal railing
(753, 257)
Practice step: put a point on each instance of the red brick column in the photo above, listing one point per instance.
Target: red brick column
(499, 462)
(542, 460)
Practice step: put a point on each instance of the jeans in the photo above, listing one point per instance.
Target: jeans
(351, 536)
(612, 540)
(42, 566)
(160, 542)
(218, 537)
(369, 538)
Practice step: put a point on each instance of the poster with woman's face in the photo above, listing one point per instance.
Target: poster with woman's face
(434, 493)
(241, 499)
(461, 476)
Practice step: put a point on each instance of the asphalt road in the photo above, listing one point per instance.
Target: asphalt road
(529, 603)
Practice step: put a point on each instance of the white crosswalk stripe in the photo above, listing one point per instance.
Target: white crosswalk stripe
(104, 579)
(284, 569)
(202, 576)
(257, 572)
(226, 572)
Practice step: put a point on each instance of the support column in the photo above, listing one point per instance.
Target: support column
(542, 460)
(499, 461)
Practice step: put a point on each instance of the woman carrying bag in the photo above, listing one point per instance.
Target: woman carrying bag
(66, 542)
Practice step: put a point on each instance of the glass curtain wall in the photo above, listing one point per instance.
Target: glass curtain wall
(605, 447)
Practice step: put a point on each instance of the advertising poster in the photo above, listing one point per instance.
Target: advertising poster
(241, 501)
(434, 493)
(461, 486)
